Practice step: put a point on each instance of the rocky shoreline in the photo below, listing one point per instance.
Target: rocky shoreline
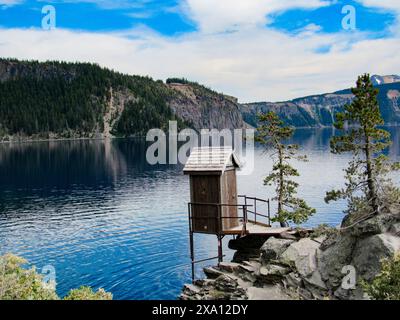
(303, 264)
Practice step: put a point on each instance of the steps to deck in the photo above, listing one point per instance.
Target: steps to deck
(233, 281)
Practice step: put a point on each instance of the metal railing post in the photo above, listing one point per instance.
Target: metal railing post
(255, 210)
(269, 213)
(244, 219)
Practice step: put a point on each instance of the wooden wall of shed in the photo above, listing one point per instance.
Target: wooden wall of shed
(229, 196)
(205, 189)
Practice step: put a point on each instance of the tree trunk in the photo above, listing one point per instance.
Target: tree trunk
(372, 196)
(280, 196)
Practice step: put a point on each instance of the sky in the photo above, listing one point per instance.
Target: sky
(256, 50)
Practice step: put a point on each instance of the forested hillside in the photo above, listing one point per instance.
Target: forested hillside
(41, 100)
(63, 100)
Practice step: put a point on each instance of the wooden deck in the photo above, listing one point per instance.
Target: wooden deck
(254, 228)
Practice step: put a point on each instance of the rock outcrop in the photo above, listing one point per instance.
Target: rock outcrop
(310, 267)
(203, 108)
(319, 110)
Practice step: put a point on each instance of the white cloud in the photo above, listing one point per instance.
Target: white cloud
(223, 15)
(385, 4)
(254, 66)
(391, 6)
(252, 63)
(9, 3)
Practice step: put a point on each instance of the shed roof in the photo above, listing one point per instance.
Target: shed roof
(216, 159)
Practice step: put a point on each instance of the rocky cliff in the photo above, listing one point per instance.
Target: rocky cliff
(201, 107)
(304, 264)
(319, 110)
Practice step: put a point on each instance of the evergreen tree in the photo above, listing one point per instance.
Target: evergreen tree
(72, 98)
(366, 183)
(272, 133)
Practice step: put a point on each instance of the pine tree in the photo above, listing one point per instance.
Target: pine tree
(272, 133)
(366, 182)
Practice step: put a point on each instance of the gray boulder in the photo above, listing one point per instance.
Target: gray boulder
(293, 280)
(369, 252)
(273, 273)
(231, 267)
(332, 260)
(376, 225)
(268, 292)
(301, 256)
(315, 280)
(273, 248)
(355, 294)
(226, 284)
(316, 286)
(395, 229)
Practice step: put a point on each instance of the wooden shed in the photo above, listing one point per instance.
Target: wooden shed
(213, 189)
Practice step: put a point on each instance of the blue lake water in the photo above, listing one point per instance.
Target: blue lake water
(103, 217)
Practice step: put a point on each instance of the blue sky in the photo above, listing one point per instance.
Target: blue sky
(256, 50)
(165, 16)
(160, 15)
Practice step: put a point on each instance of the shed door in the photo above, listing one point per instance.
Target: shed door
(205, 189)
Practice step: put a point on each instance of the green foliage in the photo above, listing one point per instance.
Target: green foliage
(272, 133)
(140, 116)
(386, 285)
(17, 283)
(177, 80)
(324, 230)
(71, 99)
(367, 184)
(86, 293)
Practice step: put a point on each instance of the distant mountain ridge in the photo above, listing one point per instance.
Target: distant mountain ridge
(378, 80)
(320, 110)
(53, 100)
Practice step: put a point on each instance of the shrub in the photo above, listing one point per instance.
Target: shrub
(86, 293)
(386, 285)
(324, 230)
(17, 283)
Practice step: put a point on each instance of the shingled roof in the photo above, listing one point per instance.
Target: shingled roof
(216, 159)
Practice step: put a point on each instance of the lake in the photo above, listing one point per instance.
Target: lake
(102, 216)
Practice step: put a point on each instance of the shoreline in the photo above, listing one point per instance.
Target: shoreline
(25, 141)
(103, 138)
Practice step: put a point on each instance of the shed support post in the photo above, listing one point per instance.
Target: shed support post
(192, 254)
(191, 240)
(220, 254)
